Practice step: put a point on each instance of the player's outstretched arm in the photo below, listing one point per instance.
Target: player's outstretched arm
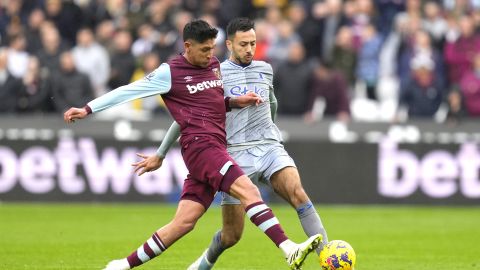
(158, 82)
(246, 100)
(153, 162)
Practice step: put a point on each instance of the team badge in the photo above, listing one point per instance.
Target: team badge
(217, 73)
(150, 76)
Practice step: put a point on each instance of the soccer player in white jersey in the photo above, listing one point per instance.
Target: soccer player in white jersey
(254, 141)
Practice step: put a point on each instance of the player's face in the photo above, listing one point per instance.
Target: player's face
(199, 54)
(242, 47)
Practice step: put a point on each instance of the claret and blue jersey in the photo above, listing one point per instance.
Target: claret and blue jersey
(184, 89)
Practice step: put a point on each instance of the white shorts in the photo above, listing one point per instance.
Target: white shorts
(260, 163)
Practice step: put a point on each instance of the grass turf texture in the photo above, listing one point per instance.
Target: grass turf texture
(87, 236)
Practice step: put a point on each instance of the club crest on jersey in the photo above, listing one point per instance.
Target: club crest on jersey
(150, 76)
(217, 73)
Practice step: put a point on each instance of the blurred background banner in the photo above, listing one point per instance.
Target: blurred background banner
(416, 164)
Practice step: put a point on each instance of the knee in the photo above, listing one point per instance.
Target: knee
(298, 195)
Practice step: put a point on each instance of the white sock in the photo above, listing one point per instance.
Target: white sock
(286, 246)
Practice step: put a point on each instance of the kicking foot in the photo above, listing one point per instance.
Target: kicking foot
(297, 255)
(118, 265)
(201, 263)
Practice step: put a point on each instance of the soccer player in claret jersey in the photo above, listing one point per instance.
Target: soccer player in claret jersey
(192, 89)
(254, 141)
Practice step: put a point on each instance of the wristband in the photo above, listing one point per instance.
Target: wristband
(88, 109)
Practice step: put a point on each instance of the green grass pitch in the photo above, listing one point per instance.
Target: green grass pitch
(87, 236)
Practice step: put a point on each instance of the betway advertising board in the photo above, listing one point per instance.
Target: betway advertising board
(87, 169)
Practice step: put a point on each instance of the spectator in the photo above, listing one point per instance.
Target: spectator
(292, 82)
(344, 56)
(281, 45)
(11, 15)
(136, 14)
(368, 61)
(9, 86)
(35, 93)
(67, 16)
(387, 11)
(122, 63)
(413, 9)
(52, 47)
(104, 34)
(144, 43)
(470, 89)
(420, 45)
(169, 41)
(363, 16)
(459, 53)
(263, 43)
(333, 20)
(34, 41)
(117, 9)
(154, 104)
(273, 18)
(306, 26)
(423, 94)
(93, 60)
(95, 12)
(17, 56)
(70, 88)
(434, 23)
(330, 91)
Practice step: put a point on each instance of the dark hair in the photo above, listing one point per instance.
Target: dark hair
(239, 24)
(199, 30)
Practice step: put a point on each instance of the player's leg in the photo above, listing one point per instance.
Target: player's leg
(262, 216)
(286, 183)
(233, 217)
(187, 215)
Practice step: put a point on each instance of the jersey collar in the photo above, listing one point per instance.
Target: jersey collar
(237, 65)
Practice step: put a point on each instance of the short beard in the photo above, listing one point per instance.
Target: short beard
(241, 62)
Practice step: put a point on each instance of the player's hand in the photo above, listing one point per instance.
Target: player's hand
(74, 113)
(147, 164)
(248, 99)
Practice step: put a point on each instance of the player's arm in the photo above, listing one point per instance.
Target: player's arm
(271, 92)
(242, 101)
(153, 162)
(273, 104)
(172, 135)
(156, 83)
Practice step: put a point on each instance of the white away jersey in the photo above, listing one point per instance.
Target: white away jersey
(251, 125)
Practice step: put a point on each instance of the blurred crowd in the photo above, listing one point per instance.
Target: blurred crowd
(361, 60)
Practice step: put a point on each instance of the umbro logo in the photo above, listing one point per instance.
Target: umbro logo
(188, 78)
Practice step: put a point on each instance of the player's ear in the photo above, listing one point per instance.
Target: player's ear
(229, 44)
(187, 45)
